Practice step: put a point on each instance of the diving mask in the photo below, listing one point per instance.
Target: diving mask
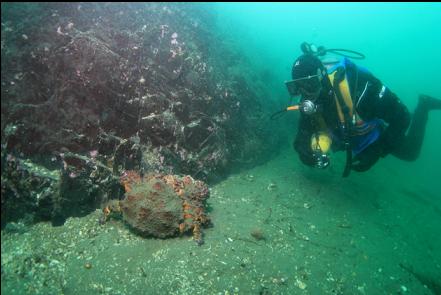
(306, 86)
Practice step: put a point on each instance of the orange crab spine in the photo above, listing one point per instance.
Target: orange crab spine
(182, 228)
(186, 206)
(106, 210)
(188, 216)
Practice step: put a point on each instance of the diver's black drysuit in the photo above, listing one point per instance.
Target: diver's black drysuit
(371, 100)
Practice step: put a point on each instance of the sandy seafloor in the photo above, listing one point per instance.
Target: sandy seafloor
(373, 233)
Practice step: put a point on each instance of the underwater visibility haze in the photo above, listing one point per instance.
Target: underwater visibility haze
(140, 153)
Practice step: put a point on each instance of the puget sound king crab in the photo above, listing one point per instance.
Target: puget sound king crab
(161, 205)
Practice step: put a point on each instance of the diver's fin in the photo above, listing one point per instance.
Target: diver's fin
(429, 103)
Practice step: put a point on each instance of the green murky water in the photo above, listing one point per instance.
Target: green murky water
(278, 227)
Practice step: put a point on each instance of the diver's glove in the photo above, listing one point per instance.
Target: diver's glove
(321, 161)
(367, 158)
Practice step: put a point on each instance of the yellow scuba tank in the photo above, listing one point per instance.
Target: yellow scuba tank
(321, 141)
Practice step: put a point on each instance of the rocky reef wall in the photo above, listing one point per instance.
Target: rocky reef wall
(91, 90)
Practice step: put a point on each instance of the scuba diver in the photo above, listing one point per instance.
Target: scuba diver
(344, 107)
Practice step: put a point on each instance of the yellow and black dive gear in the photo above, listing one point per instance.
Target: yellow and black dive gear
(321, 141)
(345, 109)
(305, 81)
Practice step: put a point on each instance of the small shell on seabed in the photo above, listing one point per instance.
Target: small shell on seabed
(258, 234)
(250, 177)
(271, 186)
(300, 284)
(88, 265)
(307, 205)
